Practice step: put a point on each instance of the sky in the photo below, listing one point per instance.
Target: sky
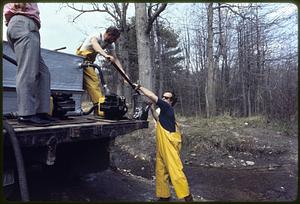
(58, 30)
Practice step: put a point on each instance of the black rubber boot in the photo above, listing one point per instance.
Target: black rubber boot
(189, 198)
(164, 199)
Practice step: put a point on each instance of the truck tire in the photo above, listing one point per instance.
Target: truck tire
(19, 161)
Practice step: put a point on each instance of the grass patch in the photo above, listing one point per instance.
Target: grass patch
(226, 134)
(219, 139)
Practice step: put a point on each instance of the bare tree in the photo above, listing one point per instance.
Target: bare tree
(144, 22)
(210, 84)
(239, 59)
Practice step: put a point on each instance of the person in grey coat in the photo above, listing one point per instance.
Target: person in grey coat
(33, 76)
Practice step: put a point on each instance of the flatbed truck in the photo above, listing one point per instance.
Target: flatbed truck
(71, 145)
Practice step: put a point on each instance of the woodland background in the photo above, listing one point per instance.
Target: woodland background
(220, 58)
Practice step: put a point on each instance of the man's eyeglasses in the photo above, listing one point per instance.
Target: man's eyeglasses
(166, 97)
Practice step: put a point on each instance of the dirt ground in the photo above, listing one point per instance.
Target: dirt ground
(134, 181)
(237, 159)
(234, 161)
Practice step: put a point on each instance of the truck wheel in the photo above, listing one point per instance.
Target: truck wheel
(11, 188)
(18, 158)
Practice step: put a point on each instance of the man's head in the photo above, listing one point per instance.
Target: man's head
(169, 97)
(111, 34)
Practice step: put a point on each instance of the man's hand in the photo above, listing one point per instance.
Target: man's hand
(136, 86)
(146, 92)
(110, 58)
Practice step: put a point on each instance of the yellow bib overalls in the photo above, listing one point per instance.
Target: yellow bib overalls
(168, 164)
(90, 78)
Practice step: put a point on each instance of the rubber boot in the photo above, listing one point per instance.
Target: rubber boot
(164, 199)
(189, 198)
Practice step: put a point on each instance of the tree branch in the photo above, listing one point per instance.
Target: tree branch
(154, 16)
(85, 10)
(95, 9)
(110, 13)
(117, 8)
(233, 11)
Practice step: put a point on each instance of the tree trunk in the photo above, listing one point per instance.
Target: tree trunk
(152, 51)
(210, 89)
(160, 62)
(126, 90)
(143, 46)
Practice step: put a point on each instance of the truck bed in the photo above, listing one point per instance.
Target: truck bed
(74, 146)
(74, 129)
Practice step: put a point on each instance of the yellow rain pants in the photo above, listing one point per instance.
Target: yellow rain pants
(90, 78)
(168, 164)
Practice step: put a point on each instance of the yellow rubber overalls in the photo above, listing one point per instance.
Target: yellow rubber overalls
(168, 164)
(90, 78)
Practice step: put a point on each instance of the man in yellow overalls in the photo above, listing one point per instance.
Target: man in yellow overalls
(168, 144)
(103, 44)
